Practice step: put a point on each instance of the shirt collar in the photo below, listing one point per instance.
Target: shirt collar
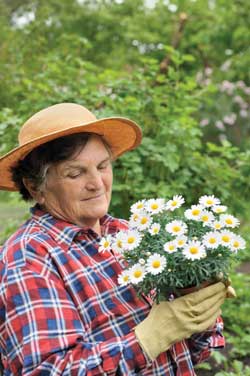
(64, 232)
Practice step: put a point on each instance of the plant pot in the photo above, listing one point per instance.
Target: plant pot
(188, 290)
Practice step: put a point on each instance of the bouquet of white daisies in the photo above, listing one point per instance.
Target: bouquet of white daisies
(167, 247)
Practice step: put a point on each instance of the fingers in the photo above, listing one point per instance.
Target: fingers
(212, 301)
(205, 293)
(231, 293)
(208, 323)
(210, 311)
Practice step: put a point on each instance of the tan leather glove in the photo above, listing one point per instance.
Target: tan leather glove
(170, 322)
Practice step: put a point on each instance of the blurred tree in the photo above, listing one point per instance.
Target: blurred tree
(119, 58)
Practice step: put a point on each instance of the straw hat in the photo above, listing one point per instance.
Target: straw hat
(65, 119)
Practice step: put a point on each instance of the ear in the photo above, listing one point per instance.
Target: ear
(36, 194)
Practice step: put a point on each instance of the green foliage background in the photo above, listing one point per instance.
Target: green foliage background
(163, 65)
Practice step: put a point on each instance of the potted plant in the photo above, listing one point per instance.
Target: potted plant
(170, 250)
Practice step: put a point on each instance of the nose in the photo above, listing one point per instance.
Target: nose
(94, 181)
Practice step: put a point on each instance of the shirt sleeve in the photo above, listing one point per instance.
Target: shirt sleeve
(201, 344)
(41, 332)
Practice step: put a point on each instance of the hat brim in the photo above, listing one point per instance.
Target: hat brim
(121, 134)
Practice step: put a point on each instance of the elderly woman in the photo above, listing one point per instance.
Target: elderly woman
(62, 311)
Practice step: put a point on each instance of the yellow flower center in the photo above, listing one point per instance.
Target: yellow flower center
(180, 242)
(226, 238)
(193, 250)
(229, 221)
(137, 273)
(135, 217)
(139, 206)
(236, 244)
(173, 203)
(210, 202)
(156, 264)
(125, 278)
(176, 228)
(131, 239)
(217, 226)
(154, 206)
(205, 218)
(155, 230)
(106, 244)
(212, 240)
(196, 211)
(119, 243)
(144, 220)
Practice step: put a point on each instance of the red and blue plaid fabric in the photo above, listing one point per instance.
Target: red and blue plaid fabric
(63, 313)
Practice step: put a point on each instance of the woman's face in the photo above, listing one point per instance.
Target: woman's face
(78, 190)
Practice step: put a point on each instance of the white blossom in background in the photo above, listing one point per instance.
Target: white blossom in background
(220, 125)
(226, 65)
(230, 119)
(204, 122)
(227, 86)
(243, 113)
(240, 84)
(208, 71)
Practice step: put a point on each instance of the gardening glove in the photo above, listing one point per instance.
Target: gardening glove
(231, 293)
(171, 321)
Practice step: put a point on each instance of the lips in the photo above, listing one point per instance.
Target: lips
(93, 198)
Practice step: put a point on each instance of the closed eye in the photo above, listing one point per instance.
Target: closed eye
(74, 176)
(105, 164)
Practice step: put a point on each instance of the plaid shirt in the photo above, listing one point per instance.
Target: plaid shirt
(63, 313)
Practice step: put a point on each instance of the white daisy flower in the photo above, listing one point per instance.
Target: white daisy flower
(131, 240)
(105, 244)
(229, 220)
(137, 206)
(170, 247)
(176, 227)
(237, 243)
(133, 220)
(155, 228)
(218, 209)
(155, 264)
(137, 273)
(175, 203)
(209, 201)
(226, 237)
(216, 225)
(211, 239)
(123, 278)
(118, 242)
(155, 206)
(144, 221)
(194, 213)
(180, 241)
(194, 250)
(206, 217)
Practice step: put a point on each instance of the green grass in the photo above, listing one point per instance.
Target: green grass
(12, 214)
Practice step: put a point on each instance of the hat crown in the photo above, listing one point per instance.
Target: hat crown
(53, 119)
